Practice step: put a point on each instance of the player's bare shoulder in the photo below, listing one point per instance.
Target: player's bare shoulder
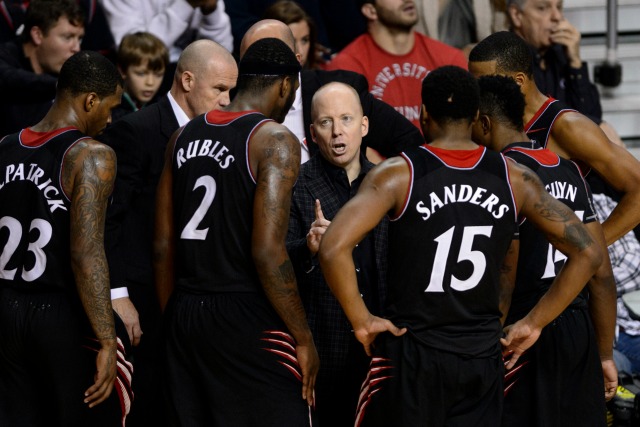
(274, 144)
(91, 160)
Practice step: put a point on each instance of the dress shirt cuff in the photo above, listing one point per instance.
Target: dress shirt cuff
(122, 292)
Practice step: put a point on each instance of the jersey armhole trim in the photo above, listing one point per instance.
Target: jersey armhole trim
(409, 189)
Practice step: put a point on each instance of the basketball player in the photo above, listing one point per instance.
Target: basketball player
(550, 385)
(454, 207)
(239, 349)
(59, 353)
(564, 131)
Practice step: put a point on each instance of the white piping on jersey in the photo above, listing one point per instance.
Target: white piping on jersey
(513, 199)
(408, 196)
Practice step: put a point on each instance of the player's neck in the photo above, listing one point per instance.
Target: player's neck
(60, 115)
(250, 102)
(534, 100)
(393, 40)
(506, 136)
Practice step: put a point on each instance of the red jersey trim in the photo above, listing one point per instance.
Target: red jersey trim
(219, 117)
(461, 159)
(33, 139)
(538, 113)
(543, 156)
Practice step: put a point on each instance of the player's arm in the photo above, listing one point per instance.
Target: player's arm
(508, 271)
(602, 308)
(566, 233)
(383, 190)
(90, 169)
(164, 234)
(277, 161)
(579, 138)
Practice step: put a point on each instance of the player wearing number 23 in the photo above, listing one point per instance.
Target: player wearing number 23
(445, 364)
(60, 358)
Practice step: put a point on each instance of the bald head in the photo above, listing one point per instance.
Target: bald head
(333, 91)
(205, 74)
(198, 54)
(267, 28)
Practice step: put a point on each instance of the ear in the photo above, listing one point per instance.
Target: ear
(91, 101)
(365, 126)
(520, 78)
(369, 11)
(515, 15)
(188, 81)
(424, 116)
(485, 123)
(284, 86)
(313, 132)
(36, 35)
(122, 72)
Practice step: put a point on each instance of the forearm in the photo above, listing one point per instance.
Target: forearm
(279, 283)
(568, 283)
(602, 308)
(92, 281)
(624, 217)
(163, 269)
(340, 273)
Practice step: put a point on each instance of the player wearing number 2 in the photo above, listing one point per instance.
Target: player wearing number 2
(239, 349)
(559, 380)
(453, 208)
(59, 353)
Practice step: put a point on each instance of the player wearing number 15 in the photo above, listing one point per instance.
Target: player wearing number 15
(239, 349)
(59, 352)
(453, 208)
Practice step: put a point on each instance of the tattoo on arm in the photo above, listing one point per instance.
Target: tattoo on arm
(92, 185)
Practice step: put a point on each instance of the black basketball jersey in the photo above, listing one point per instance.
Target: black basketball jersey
(213, 192)
(34, 210)
(539, 127)
(539, 262)
(447, 246)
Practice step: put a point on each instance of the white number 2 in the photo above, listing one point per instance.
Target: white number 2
(191, 231)
(15, 235)
(477, 258)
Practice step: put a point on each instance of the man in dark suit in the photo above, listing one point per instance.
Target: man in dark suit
(205, 73)
(326, 182)
(390, 132)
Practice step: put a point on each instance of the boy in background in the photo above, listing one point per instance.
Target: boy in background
(142, 61)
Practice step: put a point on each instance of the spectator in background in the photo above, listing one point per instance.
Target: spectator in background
(97, 33)
(142, 61)
(558, 69)
(302, 27)
(29, 65)
(460, 23)
(394, 57)
(176, 22)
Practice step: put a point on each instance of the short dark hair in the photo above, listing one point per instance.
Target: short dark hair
(450, 93)
(511, 53)
(44, 14)
(501, 98)
(265, 62)
(290, 12)
(88, 71)
(137, 47)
